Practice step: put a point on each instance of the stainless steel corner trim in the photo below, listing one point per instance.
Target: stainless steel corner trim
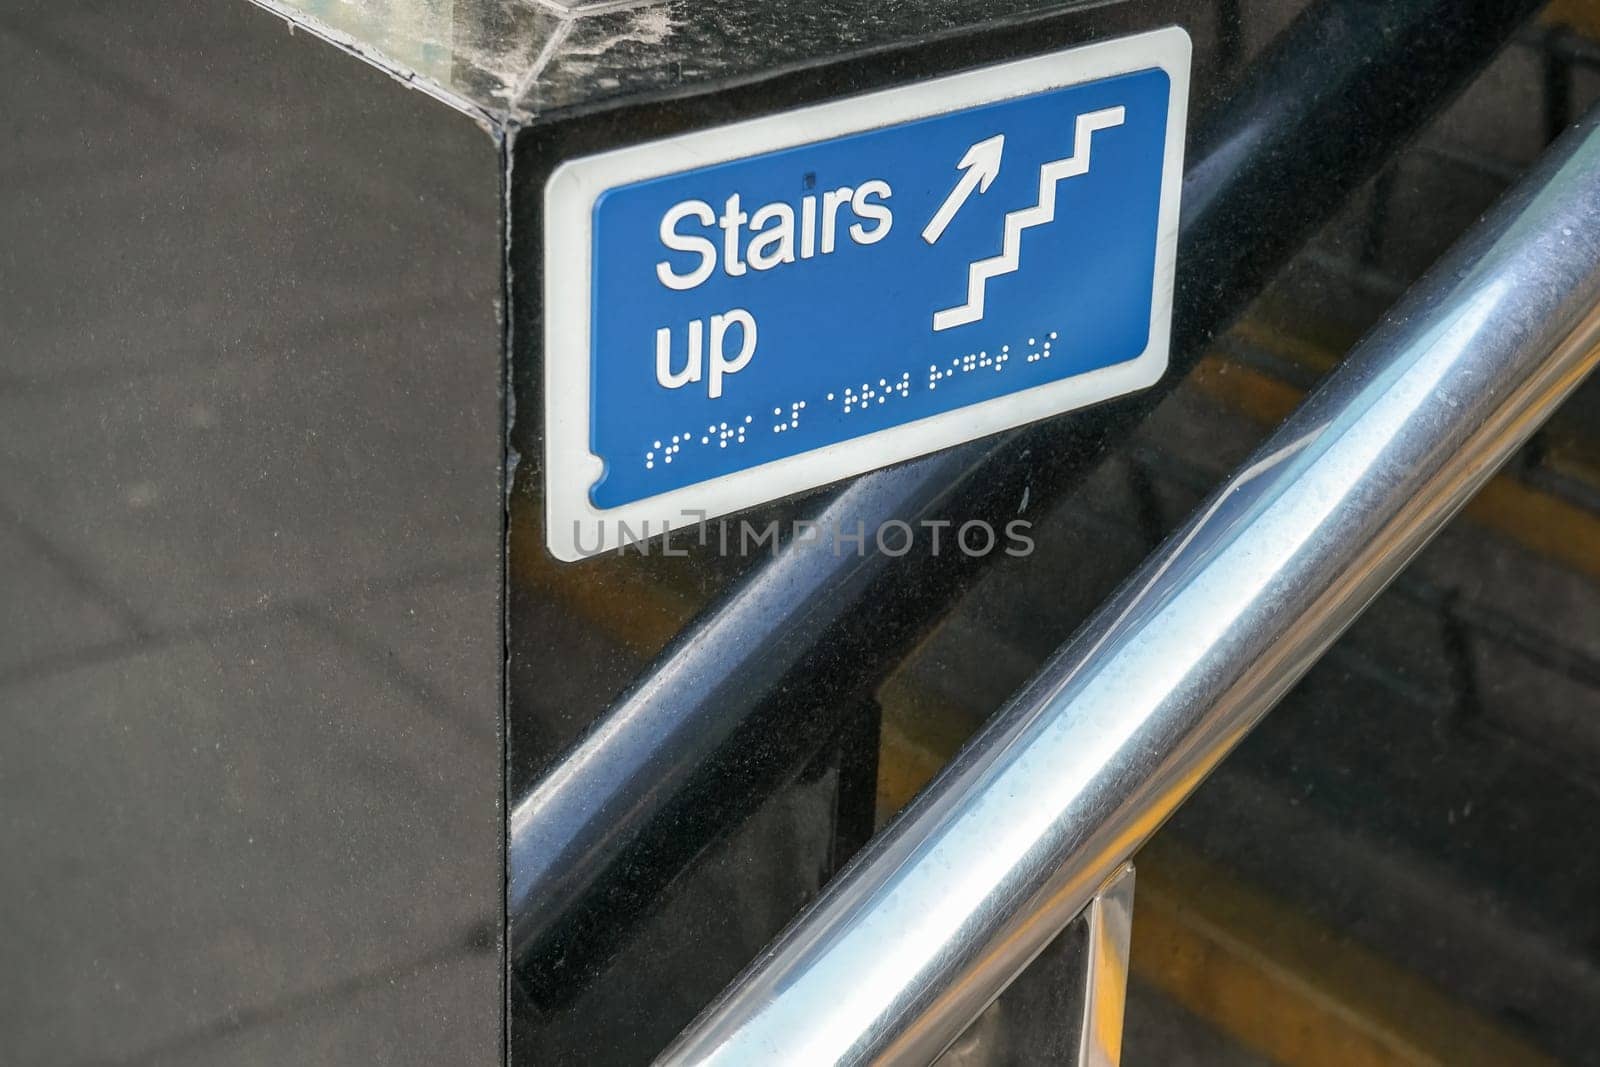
(932, 921)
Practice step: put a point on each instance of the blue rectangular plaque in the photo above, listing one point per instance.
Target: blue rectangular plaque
(741, 313)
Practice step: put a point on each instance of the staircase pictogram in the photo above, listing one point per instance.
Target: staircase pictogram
(1043, 212)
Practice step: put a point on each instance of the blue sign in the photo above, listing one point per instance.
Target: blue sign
(775, 319)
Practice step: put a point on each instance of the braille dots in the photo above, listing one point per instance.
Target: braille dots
(1043, 352)
(792, 420)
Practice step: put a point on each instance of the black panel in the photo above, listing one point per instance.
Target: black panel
(249, 548)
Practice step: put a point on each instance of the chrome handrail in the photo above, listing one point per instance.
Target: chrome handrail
(943, 909)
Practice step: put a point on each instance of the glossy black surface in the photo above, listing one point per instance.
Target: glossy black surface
(793, 650)
(249, 549)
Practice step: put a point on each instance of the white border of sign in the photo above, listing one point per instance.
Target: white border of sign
(569, 201)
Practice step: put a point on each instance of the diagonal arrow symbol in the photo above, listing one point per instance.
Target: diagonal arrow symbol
(979, 167)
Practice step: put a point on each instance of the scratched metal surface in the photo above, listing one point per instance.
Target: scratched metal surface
(514, 60)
